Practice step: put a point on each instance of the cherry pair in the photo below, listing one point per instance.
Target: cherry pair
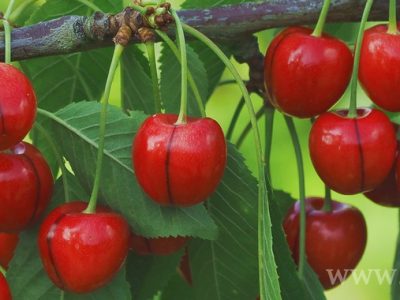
(335, 240)
(179, 165)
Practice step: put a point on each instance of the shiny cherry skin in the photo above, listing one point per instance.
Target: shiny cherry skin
(5, 292)
(8, 243)
(156, 246)
(26, 186)
(353, 155)
(380, 67)
(179, 165)
(306, 75)
(335, 240)
(17, 106)
(82, 252)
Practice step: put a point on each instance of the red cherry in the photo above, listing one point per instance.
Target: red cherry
(82, 252)
(26, 187)
(8, 243)
(156, 246)
(335, 240)
(179, 165)
(305, 75)
(5, 293)
(184, 269)
(17, 106)
(380, 67)
(353, 155)
(388, 192)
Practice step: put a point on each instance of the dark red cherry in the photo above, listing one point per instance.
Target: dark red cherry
(156, 246)
(26, 186)
(306, 75)
(353, 155)
(380, 67)
(82, 252)
(179, 165)
(17, 106)
(335, 241)
(8, 243)
(5, 293)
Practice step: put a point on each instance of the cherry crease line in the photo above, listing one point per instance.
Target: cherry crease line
(167, 163)
(49, 238)
(38, 186)
(360, 150)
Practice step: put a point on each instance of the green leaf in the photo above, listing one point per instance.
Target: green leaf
(177, 289)
(227, 268)
(171, 81)
(291, 285)
(395, 288)
(150, 273)
(29, 281)
(137, 92)
(75, 128)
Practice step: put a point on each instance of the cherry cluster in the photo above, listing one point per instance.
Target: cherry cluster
(26, 181)
(305, 75)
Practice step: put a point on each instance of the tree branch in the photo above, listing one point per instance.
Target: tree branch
(76, 33)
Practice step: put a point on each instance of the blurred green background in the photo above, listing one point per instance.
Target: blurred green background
(382, 222)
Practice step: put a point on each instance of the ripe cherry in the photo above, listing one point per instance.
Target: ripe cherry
(179, 165)
(335, 241)
(26, 186)
(8, 243)
(380, 67)
(304, 74)
(17, 106)
(82, 252)
(156, 246)
(388, 192)
(353, 155)
(5, 293)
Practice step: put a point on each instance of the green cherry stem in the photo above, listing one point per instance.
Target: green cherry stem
(392, 28)
(102, 128)
(235, 118)
(3, 271)
(58, 157)
(184, 68)
(247, 129)
(269, 131)
(328, 200)
(319, 28)
(269, 283)
(302, 194)
(7, 32)
(142, 10)
(354, 78)
(151, 53)
(192, 83)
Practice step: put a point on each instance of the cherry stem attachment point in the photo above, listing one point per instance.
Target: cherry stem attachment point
(182, 118)
(319, 28)
(392, 28)
(354, 78)
(192, 83)
(302, 193)
(7, 32)
(154, 76)
(269, 283)
(58, 157)
(142, 10)
(2, 271)
(328, 200)
(91, 208)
